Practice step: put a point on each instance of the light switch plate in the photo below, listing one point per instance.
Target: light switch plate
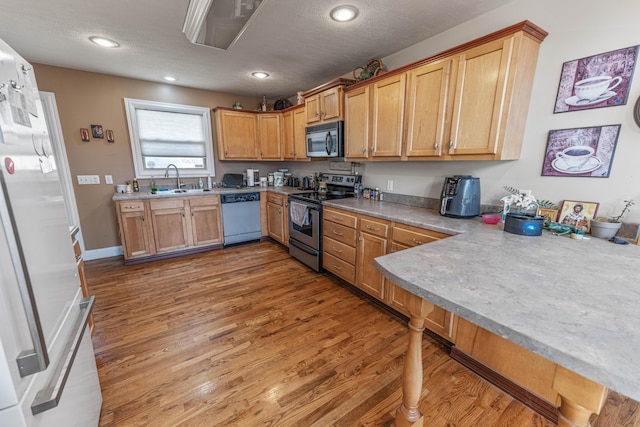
(108, 179)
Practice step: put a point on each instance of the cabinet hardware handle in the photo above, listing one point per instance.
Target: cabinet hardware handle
(316, 114)
(337, 267)
(337, 218)
(435, 146)
(322, 113)
(360, 239)
(372, 228)
(416, 241)
(142, 217)
(193, 214)
(336, 249)
(226, 153)
(279, 210)
(337, 233)
(451, 143)
(373, 148)
(364, 150)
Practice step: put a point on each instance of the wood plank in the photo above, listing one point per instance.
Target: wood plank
(248, 336)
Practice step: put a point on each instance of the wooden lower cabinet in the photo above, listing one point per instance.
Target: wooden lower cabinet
(278, 218)
(164, 226)
(339, 243)
(84, 287)
(372, 243)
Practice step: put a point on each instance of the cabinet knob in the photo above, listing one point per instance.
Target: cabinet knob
(372, 148)
(316, 114)
(364, 150)
(451, 144)
(279, 210)
(142, 217)
(435, 146)
(360, 239)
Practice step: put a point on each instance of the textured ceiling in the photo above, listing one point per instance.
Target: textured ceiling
(295, 41)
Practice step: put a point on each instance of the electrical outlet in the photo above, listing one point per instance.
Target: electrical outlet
(108, 179)
(88, 179)
(389, 185)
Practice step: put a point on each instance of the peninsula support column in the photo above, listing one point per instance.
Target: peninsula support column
(579, 398)
(408, 414)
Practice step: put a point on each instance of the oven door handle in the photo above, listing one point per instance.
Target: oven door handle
(308, 205)
(302, 248)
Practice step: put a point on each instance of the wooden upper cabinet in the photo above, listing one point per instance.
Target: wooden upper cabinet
(325, 103)
(428, 118)
(388, 116)
(270, 136)
(236, 134)
(493, 88)
(294, 134)
(357, 123)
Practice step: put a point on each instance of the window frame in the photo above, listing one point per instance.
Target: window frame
(131, 105)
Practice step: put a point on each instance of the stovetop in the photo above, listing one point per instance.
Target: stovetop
(317, 197)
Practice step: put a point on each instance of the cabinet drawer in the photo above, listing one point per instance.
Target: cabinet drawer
(339, 232)
(340, 217)
(167, 204)
(340, 250)
(339, 267)
(133, 206)
(411, 236)
(375, 227)
(204, 201)
(275, 199)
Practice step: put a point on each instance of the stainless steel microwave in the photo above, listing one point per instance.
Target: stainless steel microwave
(325, 140)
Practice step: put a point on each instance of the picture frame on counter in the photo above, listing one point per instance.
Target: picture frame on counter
(109, 134)
(578, 214)
(96, 131)
(582, 152)
(597, 81)
(84, 134)
(550, 215)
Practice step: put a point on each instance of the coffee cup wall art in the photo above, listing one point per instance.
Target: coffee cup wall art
(581, 152)
(596, 81)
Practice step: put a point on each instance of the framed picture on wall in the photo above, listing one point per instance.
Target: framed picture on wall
(596, 81)
(96, 131)
(578, 214)
(84, 134)
(584, 152)
(109, 134)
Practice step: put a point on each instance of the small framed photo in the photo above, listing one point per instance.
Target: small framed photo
(84, 134)
(578, 214)
(109, 134)
(96, 131)
(550, 215)
(582, 152)
(597, 81)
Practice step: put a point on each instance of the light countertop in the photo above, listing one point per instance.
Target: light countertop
(574, 302)
(196, 193)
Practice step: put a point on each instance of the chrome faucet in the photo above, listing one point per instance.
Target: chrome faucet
(166, 175)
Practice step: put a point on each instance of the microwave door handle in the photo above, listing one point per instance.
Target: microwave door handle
(328, 143)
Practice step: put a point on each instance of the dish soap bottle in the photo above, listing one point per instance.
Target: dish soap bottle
(200, 184)
(154, 187)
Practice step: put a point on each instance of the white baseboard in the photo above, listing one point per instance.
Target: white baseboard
(102, 253)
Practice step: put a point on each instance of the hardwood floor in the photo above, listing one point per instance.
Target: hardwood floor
(247, 336)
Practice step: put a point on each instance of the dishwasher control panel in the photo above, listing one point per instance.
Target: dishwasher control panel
(240, 197)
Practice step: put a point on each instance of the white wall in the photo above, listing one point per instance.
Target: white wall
(576, 29)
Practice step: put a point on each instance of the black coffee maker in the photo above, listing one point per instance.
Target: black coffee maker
(460, 197)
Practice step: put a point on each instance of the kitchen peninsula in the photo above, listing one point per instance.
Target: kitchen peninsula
(572, 302)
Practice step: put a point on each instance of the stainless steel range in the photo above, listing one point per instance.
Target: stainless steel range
(305, 218)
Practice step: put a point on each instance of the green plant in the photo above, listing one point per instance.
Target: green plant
(523, 200)
(625, 209)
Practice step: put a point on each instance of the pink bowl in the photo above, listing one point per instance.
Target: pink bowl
(491, 218)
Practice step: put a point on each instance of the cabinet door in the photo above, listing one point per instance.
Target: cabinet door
(270, 136)
(480, 98)
(134, 233)
(357, 124)
(237, 135)
(288, 137)
(428, 125)
(275, 220)
(369, 278)
(388, 116)
(206, 226)
(331, 104)
(299, 134)
(312, 108)
(169, 225)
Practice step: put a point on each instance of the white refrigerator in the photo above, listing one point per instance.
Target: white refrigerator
(48, 374)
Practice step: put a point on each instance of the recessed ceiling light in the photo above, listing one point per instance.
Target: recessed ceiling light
(343, 13)
(101, 41)
(260, 75)
(170, 78)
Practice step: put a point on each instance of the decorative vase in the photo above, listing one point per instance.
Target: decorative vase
(604, 229)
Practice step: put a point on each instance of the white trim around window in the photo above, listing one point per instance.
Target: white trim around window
(163, 133)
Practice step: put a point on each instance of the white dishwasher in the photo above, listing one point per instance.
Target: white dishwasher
(240, 217)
